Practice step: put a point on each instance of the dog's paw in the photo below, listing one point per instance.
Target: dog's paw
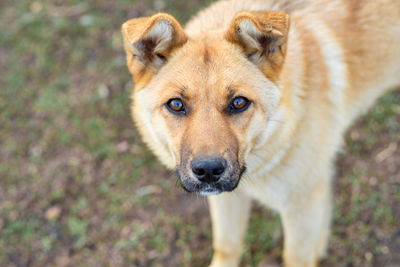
(224, 260)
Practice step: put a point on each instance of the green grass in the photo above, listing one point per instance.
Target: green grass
(77, 186)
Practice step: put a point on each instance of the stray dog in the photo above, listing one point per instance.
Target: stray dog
(267, 88)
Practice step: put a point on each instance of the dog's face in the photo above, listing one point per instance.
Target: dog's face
(202, 104)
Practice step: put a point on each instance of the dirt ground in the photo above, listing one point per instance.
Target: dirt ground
(79, 188)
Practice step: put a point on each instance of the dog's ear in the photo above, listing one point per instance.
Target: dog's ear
(149, 41)
(262, 37)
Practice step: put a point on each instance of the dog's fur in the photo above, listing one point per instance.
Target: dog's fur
(309, 68)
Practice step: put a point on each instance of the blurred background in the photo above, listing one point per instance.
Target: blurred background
(79, 188)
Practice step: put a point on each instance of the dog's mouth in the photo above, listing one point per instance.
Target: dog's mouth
(226, 183)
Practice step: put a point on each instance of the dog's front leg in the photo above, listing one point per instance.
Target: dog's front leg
(229, 216)
(306, 224)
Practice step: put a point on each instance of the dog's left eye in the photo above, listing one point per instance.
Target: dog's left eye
(238, 104)
(176, 106)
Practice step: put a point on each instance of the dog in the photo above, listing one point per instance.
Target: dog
(250, 102)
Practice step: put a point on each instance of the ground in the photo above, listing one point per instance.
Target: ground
(78, 187)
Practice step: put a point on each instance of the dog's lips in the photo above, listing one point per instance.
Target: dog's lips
(225, 184)
(209, 191)
(206, 193)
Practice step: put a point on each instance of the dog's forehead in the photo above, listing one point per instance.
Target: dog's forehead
(211, 66)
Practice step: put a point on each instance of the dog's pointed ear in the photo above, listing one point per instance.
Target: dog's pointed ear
(262, 37)
(149, 41)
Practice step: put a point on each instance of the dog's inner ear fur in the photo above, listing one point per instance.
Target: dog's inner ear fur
(262, 37)
(149, 41)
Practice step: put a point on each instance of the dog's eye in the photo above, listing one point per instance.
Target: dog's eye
(238, 104)
(176, 106)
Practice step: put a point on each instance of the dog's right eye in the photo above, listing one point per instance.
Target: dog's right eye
(238, 104)
(176, 106)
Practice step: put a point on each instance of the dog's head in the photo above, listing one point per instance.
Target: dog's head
(202, 102)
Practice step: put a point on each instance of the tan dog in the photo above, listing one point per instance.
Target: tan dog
(267, 88)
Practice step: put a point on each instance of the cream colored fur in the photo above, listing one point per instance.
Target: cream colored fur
(341, 55)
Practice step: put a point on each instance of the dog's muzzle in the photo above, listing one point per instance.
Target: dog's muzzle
(209, 175)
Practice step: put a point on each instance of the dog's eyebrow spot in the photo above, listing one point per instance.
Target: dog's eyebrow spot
(230, 93)
(182, 92)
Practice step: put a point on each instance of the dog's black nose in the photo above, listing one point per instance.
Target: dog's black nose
(208, 169)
